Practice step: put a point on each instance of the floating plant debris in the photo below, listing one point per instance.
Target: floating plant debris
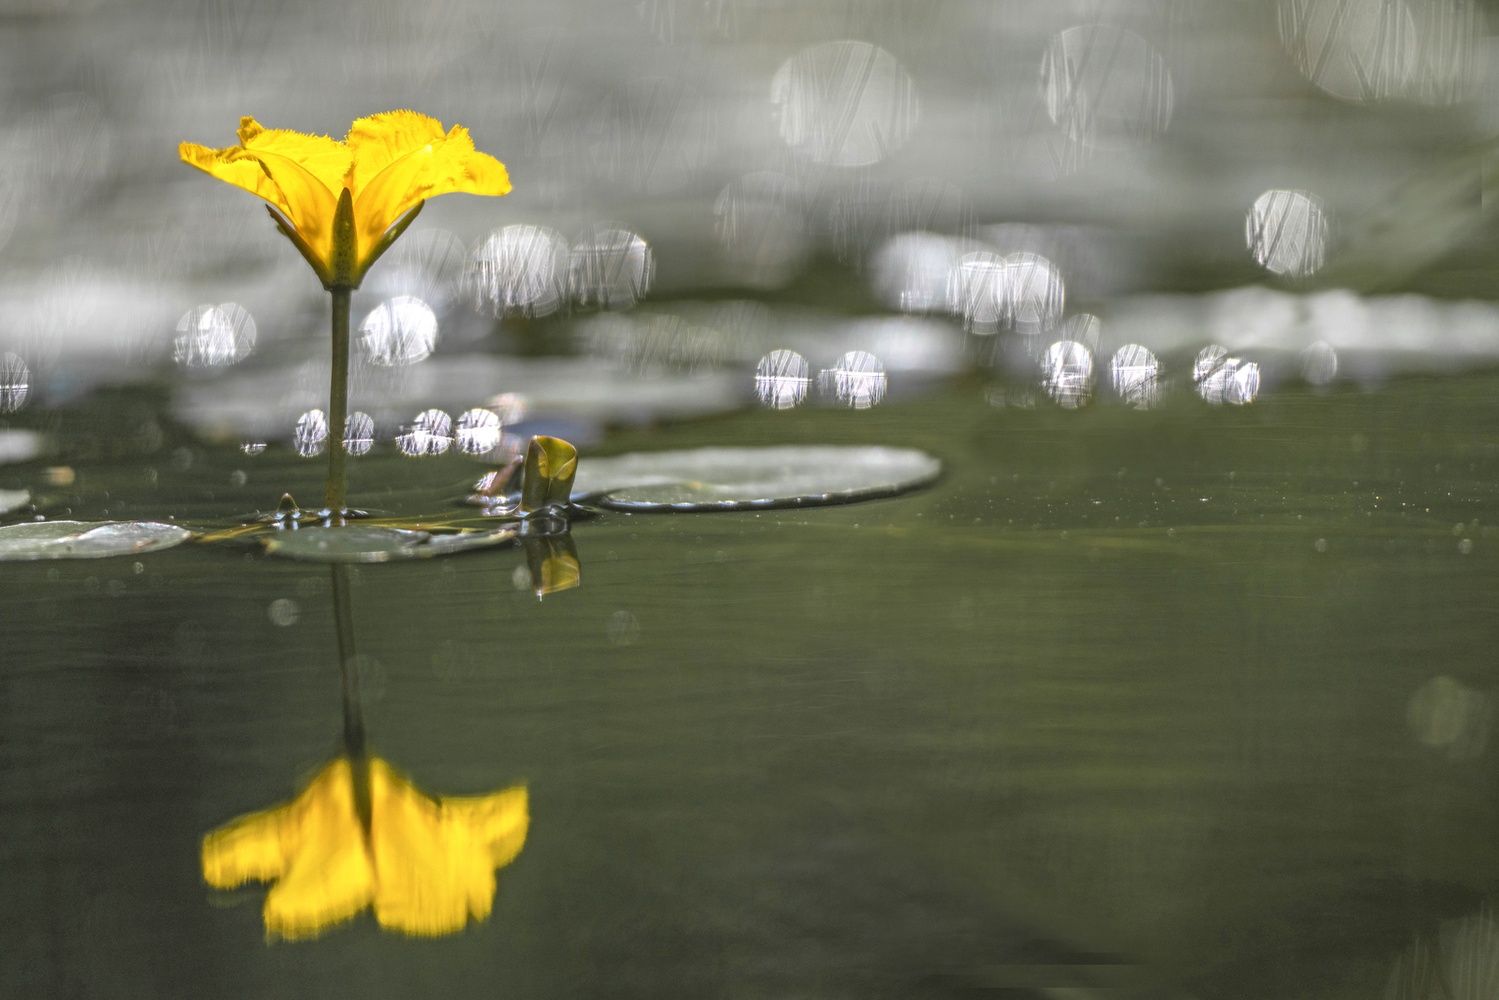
(86, 539)
(751, 478)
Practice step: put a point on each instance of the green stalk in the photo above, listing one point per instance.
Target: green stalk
(338, 403)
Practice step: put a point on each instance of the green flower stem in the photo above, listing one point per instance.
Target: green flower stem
(338, 403)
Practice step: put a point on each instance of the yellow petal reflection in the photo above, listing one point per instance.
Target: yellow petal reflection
(426, 865)
(390, 163)
(553, 563)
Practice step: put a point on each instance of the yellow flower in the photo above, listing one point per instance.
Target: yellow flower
(425, 865)
(338, 201)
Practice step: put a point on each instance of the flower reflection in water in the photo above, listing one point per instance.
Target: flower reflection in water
(552, 565)
(424, 865)
(360, 835)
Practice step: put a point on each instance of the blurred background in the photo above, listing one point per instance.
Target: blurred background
(1179, 682)
(965, 177)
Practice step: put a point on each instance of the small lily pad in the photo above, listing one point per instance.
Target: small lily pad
(86, 539)
(13, 500)
(751, 478)
(373, 543)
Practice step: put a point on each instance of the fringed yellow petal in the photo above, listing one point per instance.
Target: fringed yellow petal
(309, 204)
(435, 860)
(229, 165)
(379, 140)
(390, 164)
(300, 174)
(326, 159)
(443, 165)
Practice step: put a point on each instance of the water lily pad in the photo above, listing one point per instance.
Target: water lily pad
(751, 478)
(86, 539)
(373, 543)
(13, 500)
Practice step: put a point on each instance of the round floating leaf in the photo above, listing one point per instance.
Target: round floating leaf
(86, 539)
(373, 543)
(13, 500)
(751, 478)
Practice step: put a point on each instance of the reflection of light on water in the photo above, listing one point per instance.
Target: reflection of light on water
(1104, 86)
(610, 268)
(1446, 714)
(214, 336)
(430, 434)
(1067, 373)
(1223, 379)
(1035, 290)
(1136, 376)
(1209, 360)
(1376, 50)
(845, 103)
(1360, 50)
(520, 268)
(478, 431)
(252, 448)
(1319, 363)
(399, 331)
(1085, 328)
(311, 433)
(782, 379)
(1286, 231)
(359, 433)
(284, 612)
(857, 380)
(979, 293)
(15, 382)
(913, 272)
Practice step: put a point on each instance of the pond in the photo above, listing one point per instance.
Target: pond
(1161, 665)
(1187, 701)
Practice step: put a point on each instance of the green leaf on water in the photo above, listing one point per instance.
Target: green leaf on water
(751, 478)
(86, 539)
(372, 543)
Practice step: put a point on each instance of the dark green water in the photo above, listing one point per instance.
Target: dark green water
(1123, 688)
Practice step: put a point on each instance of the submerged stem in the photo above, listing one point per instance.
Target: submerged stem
(338, 402)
